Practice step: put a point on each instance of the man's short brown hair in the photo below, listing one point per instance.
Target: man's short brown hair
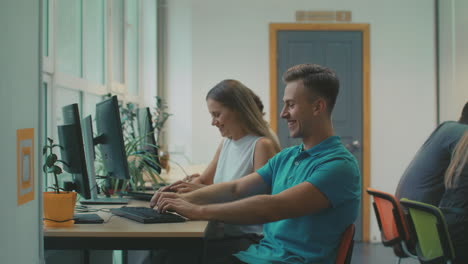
(318, 80)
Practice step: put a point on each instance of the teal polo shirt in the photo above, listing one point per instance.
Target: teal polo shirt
(311, 238)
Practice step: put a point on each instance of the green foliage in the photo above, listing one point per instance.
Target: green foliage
(50, 164)
(141, 163)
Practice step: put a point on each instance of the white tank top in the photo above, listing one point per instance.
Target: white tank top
(235, 161)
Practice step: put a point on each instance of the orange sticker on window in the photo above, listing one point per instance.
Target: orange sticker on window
(25, 164)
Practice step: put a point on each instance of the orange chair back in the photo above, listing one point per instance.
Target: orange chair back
(345, 249)
(390, 217)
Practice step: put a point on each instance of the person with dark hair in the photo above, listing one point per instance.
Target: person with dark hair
(454, 202)
(423, 179)
(464, 116)
(305, 195)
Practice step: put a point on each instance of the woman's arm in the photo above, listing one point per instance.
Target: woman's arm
(195, 181)
(208, 174)
(264, 150)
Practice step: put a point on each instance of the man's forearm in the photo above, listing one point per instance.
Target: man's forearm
(215, 193)
(257, 209)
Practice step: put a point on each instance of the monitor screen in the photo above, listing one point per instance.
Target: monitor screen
(90, 141)
(146, 131)
(111, 143)
(72, 151)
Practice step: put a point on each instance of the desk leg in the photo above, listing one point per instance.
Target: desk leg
(86, 257)
(204, 252)
(124, 256)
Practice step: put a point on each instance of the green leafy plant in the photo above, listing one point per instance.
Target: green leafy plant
(141, 163)
(51, 161)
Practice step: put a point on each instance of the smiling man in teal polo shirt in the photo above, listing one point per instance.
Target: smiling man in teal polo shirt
(306, 195)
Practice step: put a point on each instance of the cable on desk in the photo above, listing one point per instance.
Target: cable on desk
(107, 210)
(84, 209)
(108, 219)
(57, 221)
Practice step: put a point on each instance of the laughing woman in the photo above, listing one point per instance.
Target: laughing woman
(248, 143)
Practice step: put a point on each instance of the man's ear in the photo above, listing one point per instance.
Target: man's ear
(320, 106)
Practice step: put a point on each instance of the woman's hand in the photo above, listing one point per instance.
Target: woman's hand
(191, 178)
(181, 187)
(185, 187)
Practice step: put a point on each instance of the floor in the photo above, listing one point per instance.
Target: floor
(371, 253)
(363, 253)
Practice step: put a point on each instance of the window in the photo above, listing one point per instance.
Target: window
(95, 47)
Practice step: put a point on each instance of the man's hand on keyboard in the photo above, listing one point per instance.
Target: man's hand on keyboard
(166, 201)
(157, 195)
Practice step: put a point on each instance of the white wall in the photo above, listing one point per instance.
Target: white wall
(19, 107)
(211, 40)
(453, 58)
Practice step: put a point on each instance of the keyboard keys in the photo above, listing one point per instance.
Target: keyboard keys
(140, 195)
(146, 215)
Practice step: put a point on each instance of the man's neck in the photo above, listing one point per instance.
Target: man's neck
(321, 133)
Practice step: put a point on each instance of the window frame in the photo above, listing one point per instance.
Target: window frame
(56, 80)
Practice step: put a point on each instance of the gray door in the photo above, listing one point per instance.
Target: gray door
(342, 52)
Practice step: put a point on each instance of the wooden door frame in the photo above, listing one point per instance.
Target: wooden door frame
(364, 28)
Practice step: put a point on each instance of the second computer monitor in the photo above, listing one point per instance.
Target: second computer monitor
(72, 150)
(110, 139)
(146, 132)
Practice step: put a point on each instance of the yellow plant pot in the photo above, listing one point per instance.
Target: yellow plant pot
(59, 207)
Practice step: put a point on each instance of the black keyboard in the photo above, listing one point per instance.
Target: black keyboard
(146, 215)
(140, 195)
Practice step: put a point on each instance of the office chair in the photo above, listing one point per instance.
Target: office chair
(433, 239)
(393, 227)
(345, 249)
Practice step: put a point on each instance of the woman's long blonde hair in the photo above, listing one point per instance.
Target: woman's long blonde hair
(237, 97)
(458, 162)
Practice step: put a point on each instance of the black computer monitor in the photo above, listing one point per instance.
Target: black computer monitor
(146, 132)
(72, 151)
(109, 141)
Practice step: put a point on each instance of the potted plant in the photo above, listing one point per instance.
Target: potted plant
(140, 165)
(58, 205)
(140, 162)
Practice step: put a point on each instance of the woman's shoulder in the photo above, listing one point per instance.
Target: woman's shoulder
(264, 143)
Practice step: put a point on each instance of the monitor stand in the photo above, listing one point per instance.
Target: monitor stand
(95, 199)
